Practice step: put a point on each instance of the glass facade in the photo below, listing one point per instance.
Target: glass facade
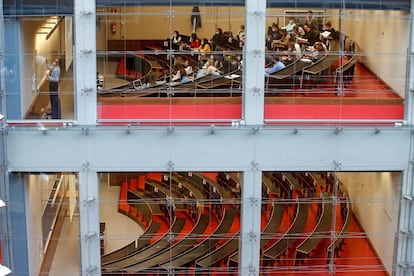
(206, 138)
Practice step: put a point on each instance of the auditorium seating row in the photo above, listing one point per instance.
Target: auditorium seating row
(209, 205)
(335, 69)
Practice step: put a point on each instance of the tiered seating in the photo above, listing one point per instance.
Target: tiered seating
(204, 247)
(133, 67)
(335, 246)
(173, 250)
(206, 199)
(266, 236)
(321, 230)
(134, 246)
(149, 250)
(278, 248)
(346, 70)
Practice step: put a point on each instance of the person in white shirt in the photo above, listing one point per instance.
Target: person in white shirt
(176, 38)
(53, 77)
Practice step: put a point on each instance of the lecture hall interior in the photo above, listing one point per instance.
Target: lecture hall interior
(237, 137)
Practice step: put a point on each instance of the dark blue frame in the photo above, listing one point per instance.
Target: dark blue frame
(65, 7)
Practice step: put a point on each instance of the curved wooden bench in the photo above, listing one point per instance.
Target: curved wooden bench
(169, 252)
(345, 71)
(287, 72)
(204, 247)
(220, 253)
(134, 246)
(334, 247)
(321, 230)
(147, 251)
(278, 248)
(320, 66)
(270, 229)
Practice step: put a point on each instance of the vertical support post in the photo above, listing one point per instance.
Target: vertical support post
(85, 61)
(404, 254)
(404, 264)
(89, 223)
(253, 63)
(249, 244)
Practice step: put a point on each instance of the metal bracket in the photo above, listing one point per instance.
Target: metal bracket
(86, 51)
(90, 235)
(88, 201)
(255, 130)
(85, 131)
(170, 166)
(85, 166)
(337, 165)
(338, 130)
(255, 165)
(252, 236)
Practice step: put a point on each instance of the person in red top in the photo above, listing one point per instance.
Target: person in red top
(194, 41)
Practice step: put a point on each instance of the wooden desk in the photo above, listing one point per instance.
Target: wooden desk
(134, 246)
(270, 229)
(175, 249)
(321, 230)
(278, 248)
(333, 249)
(203, 247)
(148, 251)
(228, 248)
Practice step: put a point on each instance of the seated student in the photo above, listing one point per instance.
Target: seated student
(184, 77)
(204, 46)
(194, 41)
(188, 68)
(231, 65)
(274, 32)
(241, 35)
(294, 48)
(281, 43)
(175, 74)
(184, 46)
(277, 66)
(311, 34)
(268, 42)
(176, 38)
(319, 50)
(218, 62)
(297, 32)
(211, 69)
(218, 40)
(329, 32)
(290, 25)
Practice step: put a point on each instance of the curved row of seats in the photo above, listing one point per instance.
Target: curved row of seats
(213, 238)
(335, 70)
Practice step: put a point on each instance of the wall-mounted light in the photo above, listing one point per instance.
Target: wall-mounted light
(2, 204)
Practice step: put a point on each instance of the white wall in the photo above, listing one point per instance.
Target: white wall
(35, 43)
(375, 202)
(385, 36)
(37, 190)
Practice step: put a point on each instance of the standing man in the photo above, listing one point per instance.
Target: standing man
(53, 77)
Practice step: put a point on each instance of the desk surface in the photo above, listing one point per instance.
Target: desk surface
(150, 250)
(175, 249)
(322, 229)
(203, 247)
(228, 248)
(132, 247)
(289, 237)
